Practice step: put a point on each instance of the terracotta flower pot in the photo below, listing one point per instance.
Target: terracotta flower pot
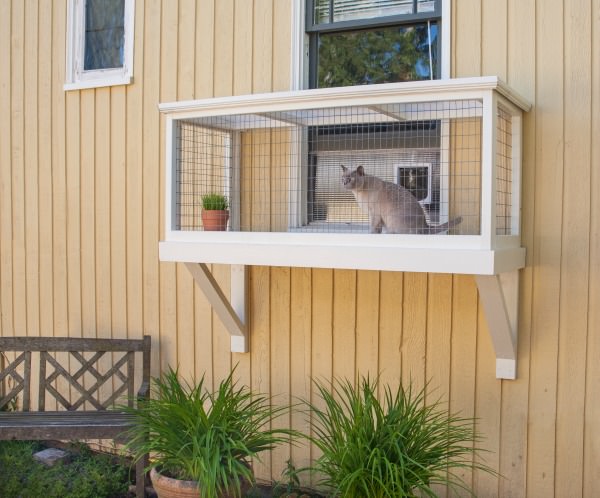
(214, 221)
(168, 487)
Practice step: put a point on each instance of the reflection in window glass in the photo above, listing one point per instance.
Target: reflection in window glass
(104, 34)
(380, 55)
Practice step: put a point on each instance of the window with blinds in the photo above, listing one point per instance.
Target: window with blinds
(356, 42)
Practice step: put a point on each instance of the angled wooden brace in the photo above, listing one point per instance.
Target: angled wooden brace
(499, 295)
(233, 313)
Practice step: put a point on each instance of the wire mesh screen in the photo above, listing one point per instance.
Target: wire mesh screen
(504, 219)
(391, 168)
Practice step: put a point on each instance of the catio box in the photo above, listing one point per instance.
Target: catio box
(453, 145)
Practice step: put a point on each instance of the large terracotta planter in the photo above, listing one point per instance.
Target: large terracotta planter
(214, 221)
(167, 487)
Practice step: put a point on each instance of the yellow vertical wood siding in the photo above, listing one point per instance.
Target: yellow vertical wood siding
(81, 214)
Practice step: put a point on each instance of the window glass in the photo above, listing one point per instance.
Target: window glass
(347, 10)
(104, 34)
(360, 42)
(380, 55)
(321, 14)
(425, 6)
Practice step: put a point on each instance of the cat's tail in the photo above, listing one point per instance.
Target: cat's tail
(442, 227)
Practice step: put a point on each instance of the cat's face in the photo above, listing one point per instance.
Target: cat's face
(349, 178)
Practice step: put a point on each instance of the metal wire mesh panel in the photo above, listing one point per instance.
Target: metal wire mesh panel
(388, 168)
(504, 186)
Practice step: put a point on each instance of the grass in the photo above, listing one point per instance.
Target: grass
(88, 474)
(211, 202)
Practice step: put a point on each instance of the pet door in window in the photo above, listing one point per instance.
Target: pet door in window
(416, 178)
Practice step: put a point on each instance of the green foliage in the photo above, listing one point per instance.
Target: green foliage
(380, 55)
(87, 475)
(396, 448)
(291, 482)
(214, 202)
(204, 436)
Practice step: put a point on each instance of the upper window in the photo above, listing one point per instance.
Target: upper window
(357, 42)
(100, 43)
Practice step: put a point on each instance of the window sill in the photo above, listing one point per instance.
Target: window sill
(98, 83)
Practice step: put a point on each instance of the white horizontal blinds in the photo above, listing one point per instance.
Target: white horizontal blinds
(334, 204)
(321, 13)
(348, 10)
(425, 6)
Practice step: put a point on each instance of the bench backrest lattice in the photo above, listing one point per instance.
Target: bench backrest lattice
(15, 376)
(91, 373)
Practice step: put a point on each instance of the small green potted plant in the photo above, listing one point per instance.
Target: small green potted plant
(397, 447)
(201, 441)
(215, 214)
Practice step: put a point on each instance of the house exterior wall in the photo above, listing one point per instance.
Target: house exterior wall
(81, 214)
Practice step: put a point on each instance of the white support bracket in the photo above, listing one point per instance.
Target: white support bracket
(499, 295)
(232, 314)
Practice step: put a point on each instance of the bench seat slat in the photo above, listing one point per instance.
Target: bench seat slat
(63, 425)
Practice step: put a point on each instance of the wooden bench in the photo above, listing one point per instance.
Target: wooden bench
(101, 374)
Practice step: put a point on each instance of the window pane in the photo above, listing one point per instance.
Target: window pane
(381, 55)
(346, 10)
(426, 6)
(104, 34)
(321, 14)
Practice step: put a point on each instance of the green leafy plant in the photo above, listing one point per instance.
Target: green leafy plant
(199, 435)
(399, 447)
(214, 202)
(290, 483)
(88, 474)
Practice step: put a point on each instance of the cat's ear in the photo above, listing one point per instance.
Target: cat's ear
(344, 169)
(360, 171)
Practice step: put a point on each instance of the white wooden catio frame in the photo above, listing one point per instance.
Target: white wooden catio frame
(487, 244)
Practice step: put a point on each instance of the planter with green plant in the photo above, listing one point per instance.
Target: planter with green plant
(215, 214)
(202, 436)
(400, 447)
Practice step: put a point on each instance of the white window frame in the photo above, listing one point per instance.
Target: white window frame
(299, 59)
(76, 77)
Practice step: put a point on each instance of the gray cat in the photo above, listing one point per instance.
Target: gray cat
(390, 205)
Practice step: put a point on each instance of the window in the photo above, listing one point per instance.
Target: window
(99, 43)
(357, 42)
(364, 42)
